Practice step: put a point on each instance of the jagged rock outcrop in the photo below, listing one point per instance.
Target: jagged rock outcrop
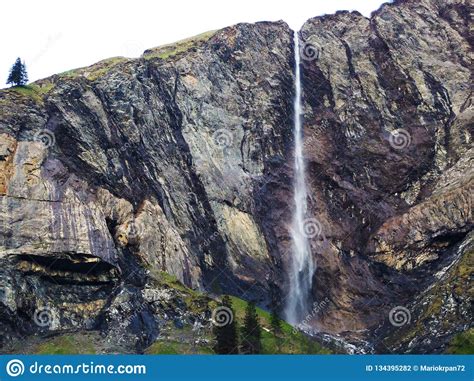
(181, 161)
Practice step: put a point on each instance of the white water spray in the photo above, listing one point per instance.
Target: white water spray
(302, 267)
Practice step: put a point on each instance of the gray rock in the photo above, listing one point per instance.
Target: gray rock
(180, 161)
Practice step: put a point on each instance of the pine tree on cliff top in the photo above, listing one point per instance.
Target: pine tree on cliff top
(18, 75)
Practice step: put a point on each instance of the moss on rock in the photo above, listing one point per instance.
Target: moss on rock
(170, 50)
(462, 343)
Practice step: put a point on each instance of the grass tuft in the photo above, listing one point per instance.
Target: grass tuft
(171, 50)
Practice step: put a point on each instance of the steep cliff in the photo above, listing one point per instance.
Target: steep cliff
(389, 137)
(141, 165)
(180, 161)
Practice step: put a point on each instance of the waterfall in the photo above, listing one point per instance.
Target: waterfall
(301, 266)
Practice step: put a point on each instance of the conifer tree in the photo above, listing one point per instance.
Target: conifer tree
(251, 331)
(277, 330)
(18, 75)
(227, 341)
(275, 323)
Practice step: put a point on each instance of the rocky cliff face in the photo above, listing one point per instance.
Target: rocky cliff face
(181, 162)
(389, 133)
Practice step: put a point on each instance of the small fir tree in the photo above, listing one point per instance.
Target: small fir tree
(227, 341)
(18, 75)
(251, 331)
(275, 323)
(277, 329)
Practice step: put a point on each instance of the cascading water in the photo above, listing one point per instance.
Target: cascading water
(302, 267)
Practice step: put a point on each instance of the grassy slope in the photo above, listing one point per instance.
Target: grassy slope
(182, 340)
(462, 344)
(32, 91)
(38, 89)
(290, 341)
(67, 344)
(171, 50)
(176, 341)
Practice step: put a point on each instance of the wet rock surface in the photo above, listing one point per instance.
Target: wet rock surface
(180, 161)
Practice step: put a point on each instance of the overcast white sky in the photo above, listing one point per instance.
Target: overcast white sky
(53, 36)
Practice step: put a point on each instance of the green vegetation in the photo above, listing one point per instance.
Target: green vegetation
(196, 302)
(251, 331)
(28, 91)
(290, 341)
(177, 340)
(462, 344)
(95, 71)
(275, 323)
(457, 283)
(70, 73)
(102, 67)
(34, 91)
(227, 339)
(175, 348)
(42, 87)
(170, 281)
(170, 50)
(67, 344)
(18, 75)
(186, 340)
